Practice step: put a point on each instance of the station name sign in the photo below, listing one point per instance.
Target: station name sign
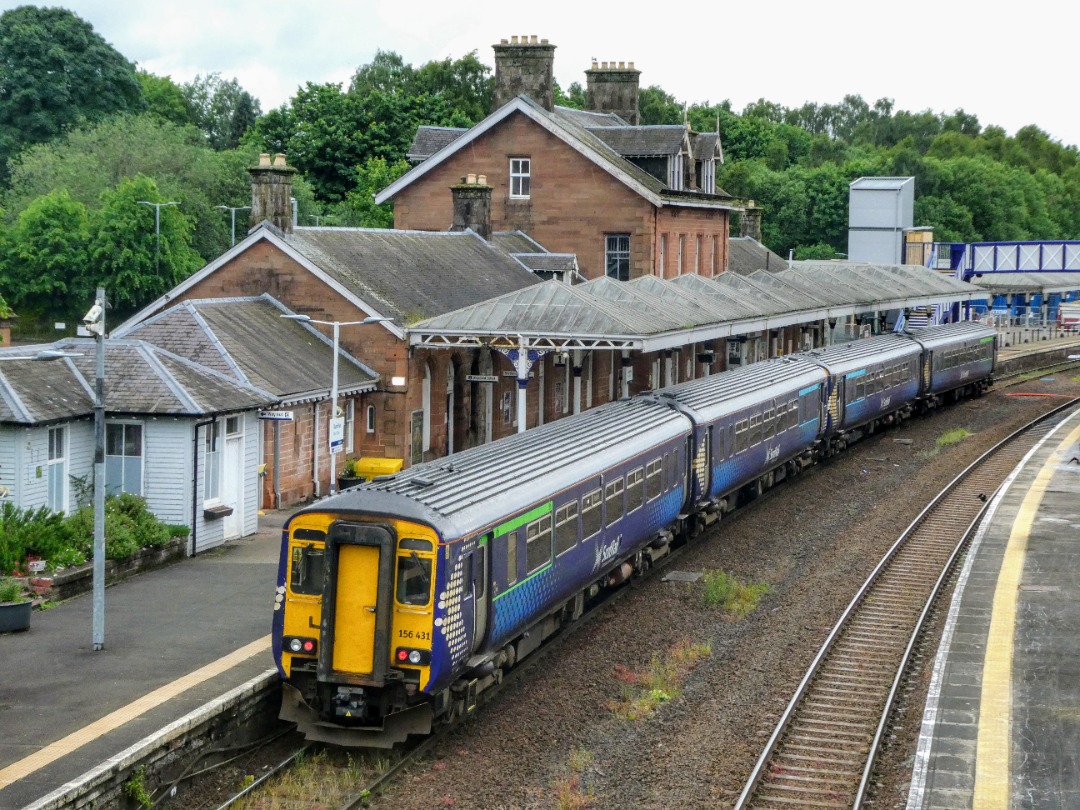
(276, 416)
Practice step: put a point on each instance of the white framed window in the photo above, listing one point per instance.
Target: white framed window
(350, 425)
(520, 178)
(370, 418)
(212, 462)
(617, 256)
(679, 263)
(57, 501)
(426, 405)
(714, 256)
(663, 251)
(123, 458)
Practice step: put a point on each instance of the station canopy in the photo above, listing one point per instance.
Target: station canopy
(649, 314)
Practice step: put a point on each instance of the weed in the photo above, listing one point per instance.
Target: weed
(135, 789)
(642, 692)
(725, 591)
(952, 437)
(580, 759)
(569, 794)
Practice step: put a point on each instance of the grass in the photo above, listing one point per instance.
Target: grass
(725, 591)
(321, 781)
(643, 692)
(952, 437)
(570, 793)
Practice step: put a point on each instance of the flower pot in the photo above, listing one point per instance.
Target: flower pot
(344, 482)
(15, 616)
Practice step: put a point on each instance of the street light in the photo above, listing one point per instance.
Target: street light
(94, 321)
(336, 423)
(233, 209)
(157, 228)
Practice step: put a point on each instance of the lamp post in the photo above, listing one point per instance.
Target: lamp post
(337, 424)
(95, 323)
(157, 228)
(233, 210)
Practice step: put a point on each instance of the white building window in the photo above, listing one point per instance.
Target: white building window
(57, 469)
(350, 425)
(426, 394)
(212, 462)
(679, 263)
(617, 256)
(663, 253)
(520, 178)
(123, 458)
(370, 418)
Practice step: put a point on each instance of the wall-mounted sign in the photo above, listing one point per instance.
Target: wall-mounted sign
(276, 416)
(484, 378)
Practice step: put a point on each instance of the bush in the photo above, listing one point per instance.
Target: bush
(129, 526)
(26, 533)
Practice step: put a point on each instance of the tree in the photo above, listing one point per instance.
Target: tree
(56, 72)
(46, 262)
(131, 259)
(375, 174)
(223, 110)
(165, 99)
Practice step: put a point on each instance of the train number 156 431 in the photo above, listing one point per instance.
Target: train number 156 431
(419, 635)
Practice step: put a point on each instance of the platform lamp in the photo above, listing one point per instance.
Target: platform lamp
(94, 321)
(337, 423)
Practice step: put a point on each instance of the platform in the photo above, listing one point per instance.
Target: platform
(1001, 727)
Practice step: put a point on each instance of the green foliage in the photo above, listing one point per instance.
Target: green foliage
(223, 110)
(165, 99)
(26, 533)
(574, 97)
(56, 72)
(374, 175)
(728, 593)
(138, 251)
(952, 437)
(129, 526)
(135, 789)
(11, 590)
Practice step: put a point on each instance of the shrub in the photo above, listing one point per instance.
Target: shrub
(129, 526)
(11, 590)
(725, 591)
(28, 533)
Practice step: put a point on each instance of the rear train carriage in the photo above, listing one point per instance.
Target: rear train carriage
(400, 600)
(958, 358)
(754, 426)
(872, 381)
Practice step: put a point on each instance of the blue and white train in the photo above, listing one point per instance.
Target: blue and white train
(400, 601)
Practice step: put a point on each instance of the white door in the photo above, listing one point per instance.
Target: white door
(232, 482)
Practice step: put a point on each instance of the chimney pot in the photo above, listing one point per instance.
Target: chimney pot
(264, 161)
(532, 39)
(622, 65)
(481, 179)
(513, 40)
(470, 179)
(279, 161)
(503, 41)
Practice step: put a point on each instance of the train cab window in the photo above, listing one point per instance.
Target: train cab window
(566, 527)
(635, 489)
(308, 563)
(652, 479)
(413, 579)
(591, 513)
(538, 544)
(613, 496)
(511, 558)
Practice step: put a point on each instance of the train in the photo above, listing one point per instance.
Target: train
(401, 600)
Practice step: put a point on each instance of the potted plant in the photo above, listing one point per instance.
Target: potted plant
(15, 606)
(350, 475)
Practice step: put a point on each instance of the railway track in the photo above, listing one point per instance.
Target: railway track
(823, 750)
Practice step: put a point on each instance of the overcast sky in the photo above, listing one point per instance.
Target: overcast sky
(1008, 65)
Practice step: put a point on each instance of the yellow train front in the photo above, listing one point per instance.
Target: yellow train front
(354, 620)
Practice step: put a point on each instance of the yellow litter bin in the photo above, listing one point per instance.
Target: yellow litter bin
(371, 468)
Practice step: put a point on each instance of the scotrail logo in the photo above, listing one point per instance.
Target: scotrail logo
(885, 401)
(772, 453)
(606, 552)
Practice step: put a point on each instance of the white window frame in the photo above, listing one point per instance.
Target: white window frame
(663, 252)
(520, 178)
(426, 406)
(123, 485)
(350, 425)
(613, 249)
(370, 418)
(58, 437)
(212, 461)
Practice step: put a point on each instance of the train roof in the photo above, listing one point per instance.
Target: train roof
(732, 390)
(467, 491)
(846, 357)
(933, 336)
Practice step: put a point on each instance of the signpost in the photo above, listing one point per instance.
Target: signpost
(337, 434)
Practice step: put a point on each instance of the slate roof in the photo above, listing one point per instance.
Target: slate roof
(747, 255)
(248, 340)
(588, 140)
(140, 379)
(412, 275)
(429, 140)
(650, 141)
(590, 118)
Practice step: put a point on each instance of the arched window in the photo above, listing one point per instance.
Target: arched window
(370, 418)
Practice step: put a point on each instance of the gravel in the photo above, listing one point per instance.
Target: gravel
(553, 740)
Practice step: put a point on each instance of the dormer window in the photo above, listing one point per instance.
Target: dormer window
(520, 178)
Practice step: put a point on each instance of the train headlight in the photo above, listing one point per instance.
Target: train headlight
(413, 657)
(298, 645)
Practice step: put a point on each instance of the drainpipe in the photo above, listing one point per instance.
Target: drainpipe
(277, 465)
(317, 492)
(195, 481)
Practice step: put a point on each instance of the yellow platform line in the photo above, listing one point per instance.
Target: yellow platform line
(62, 747)
(992, 776)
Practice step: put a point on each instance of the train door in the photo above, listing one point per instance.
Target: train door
(702, 463)
(480, 578)
(360, 574)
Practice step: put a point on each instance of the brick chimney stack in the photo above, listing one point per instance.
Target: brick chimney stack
(613, 88)
(271, 192)
(524, 66)
(750, 224)
(472, 205)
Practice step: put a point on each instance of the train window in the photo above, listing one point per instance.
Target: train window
(754, 437)
(768, 424)
(740, 435)
(652, 479)
(591, 513)
(307, 568)
(635, 489)
(511, 558)
(538, 544)
(566, 527)
(414, 544)
(613, 495)
(413, 579)
(479, 573)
